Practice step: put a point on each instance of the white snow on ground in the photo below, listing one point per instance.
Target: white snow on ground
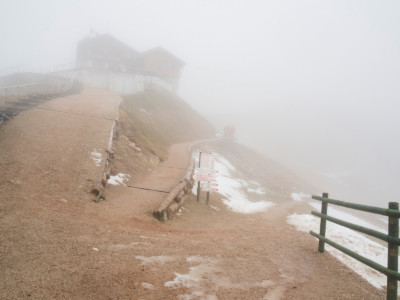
(257, 189)
(299, 196)
(120, 178)
(131, 245)
(147, 286)
(214, 207)
(348, 217)
(233, 188)
(96, 156)
(349, 239)
(207, 274)
(154, 259)
(182, 210)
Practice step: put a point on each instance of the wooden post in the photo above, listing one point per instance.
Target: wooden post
(198, 183)
(393, 253)
(322, 228)
(208, 197)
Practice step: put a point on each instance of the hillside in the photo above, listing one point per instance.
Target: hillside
(277, 180)
(156, 120)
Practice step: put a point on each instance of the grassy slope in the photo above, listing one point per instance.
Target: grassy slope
(158, 119)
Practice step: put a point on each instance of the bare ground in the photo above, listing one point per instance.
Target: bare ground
(56, 243)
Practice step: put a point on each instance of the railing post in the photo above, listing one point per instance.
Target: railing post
(393, 253)
(322, 227)
(198, 183)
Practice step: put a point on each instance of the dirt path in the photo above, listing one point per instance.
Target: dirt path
(56, 243)
(144, 194)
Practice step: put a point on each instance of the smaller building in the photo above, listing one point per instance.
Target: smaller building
(160, 63)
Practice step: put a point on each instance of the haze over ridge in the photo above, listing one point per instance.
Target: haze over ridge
(311, 84)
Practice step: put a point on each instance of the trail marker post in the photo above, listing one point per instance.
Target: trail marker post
(206, 175)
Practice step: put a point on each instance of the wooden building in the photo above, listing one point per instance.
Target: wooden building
(104, 52)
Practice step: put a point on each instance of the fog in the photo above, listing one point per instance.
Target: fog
(311, 84)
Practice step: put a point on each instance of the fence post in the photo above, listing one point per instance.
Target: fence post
(198, 183)
(393, 253)
(322, 227)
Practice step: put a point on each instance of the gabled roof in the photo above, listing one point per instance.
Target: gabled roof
(101, 40)
(110, 40)
(162, 50)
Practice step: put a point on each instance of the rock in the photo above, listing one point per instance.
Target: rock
(17, 182)
(147, 286)
(153, 159)
(62, 200)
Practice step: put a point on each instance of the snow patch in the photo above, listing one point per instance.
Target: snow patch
(214, 207)
(120, 178)
(147, 286)
(182, 210)
(206, 276)
(348, 217)
(255, 189)
(349, 239)
(96, 157)
(195, 276)
(299, 196)
(197, 295)
(131, 245)
(259, 191)
(233, 189)
(184, 280)
(154, 259)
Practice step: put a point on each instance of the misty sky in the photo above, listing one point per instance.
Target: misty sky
(312, 84)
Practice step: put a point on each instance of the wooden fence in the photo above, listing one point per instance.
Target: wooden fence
(392, 238)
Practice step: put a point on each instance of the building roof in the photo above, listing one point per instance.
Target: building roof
(110, 40)
(164, 51)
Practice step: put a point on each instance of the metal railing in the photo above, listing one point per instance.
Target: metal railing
(392, 238)
(14, 99)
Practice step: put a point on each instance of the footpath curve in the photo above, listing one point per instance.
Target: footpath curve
(140, 198)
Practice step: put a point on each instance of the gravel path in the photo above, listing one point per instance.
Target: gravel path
(56, 243)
